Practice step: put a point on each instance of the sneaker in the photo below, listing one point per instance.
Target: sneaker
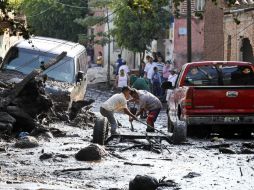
(149, 129)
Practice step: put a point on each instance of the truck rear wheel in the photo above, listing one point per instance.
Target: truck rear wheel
(170, 126)
(100, 130)
(179, 132)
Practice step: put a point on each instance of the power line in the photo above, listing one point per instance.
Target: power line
(42, 12)
(71, 6)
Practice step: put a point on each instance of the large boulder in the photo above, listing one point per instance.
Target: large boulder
(143, 183)
(27, 142)
(6, 122)
(91, 153)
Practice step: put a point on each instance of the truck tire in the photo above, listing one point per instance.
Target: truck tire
(170, 126)
(179, 132)
(100, 130)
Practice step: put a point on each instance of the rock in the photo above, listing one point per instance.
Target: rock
(46, 156)
(57, 133)
(91, 153)
(6, 127)
(247, 151)
(226, 150)
(192, 175)
(143, 183)
(27, 142)
(217, 139)
(6, 118)
(248, 144)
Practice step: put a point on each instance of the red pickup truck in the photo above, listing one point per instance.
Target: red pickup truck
(211, 93)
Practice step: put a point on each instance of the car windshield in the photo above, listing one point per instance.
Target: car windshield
(25, 61)
(210, 75)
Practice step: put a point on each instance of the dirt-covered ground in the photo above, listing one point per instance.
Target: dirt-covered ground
(198, 164)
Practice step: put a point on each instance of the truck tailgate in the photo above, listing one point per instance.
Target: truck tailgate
(223, 99)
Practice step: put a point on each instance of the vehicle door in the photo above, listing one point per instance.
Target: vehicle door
(79, 90)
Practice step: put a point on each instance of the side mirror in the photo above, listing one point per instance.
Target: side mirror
(167, 85)
(80, 76)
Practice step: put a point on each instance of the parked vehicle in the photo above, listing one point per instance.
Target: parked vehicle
(67, 79)
(212, 93)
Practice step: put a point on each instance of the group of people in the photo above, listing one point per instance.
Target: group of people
(156, 71)
(119, 103)
(144, 90)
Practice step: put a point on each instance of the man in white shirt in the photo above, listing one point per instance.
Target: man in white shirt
(116, 103)
(125, 68)
(147, 102)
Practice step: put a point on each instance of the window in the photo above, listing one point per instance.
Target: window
(220, 75)
(200, 5)
(25, 61)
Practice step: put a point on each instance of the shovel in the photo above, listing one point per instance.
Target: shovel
(132, 128)
(152, 127)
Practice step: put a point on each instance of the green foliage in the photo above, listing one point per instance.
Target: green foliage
(7, 22)
(138, 22)
(55, 18)
(92, 20)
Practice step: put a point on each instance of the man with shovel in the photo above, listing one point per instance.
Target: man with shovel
(116, 103)
(148, 102)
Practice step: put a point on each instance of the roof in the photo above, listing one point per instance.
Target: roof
(52, 45)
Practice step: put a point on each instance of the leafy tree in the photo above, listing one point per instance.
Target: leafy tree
(138, 22)
(55, 18)
(8, 23)
(102, 38)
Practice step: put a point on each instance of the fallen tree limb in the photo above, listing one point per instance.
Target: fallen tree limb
(224, 145)
(131, 147)
(135, 164)
(117, 156)
(74, 169)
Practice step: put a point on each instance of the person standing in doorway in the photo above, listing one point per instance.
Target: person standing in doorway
(99, 60)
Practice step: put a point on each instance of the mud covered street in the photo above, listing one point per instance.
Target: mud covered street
(213, 163)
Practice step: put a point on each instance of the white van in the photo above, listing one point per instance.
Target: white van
(70, 73)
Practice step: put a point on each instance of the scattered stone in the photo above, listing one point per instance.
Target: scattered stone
(192, 175)
(57, 133)
(248, 144)
(143, 183)
(226, 150)
(46, 156)
(27, 142)
(2, 149)
(247, 151)
(217, 139)
(91, 153)
(6, 118)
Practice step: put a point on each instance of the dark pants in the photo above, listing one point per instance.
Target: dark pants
(157, 89)
(111, 119)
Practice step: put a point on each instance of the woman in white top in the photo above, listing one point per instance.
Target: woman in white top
(122, 79)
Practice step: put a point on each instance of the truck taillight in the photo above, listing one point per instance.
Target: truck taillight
(187, 103)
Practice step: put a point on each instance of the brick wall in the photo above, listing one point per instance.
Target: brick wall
(180, 40)
(238, 32)
(213, 32)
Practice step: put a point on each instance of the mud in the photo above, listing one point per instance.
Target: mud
(197, 164)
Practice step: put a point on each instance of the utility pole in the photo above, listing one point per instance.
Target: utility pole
(108, 71)
(189, 58)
